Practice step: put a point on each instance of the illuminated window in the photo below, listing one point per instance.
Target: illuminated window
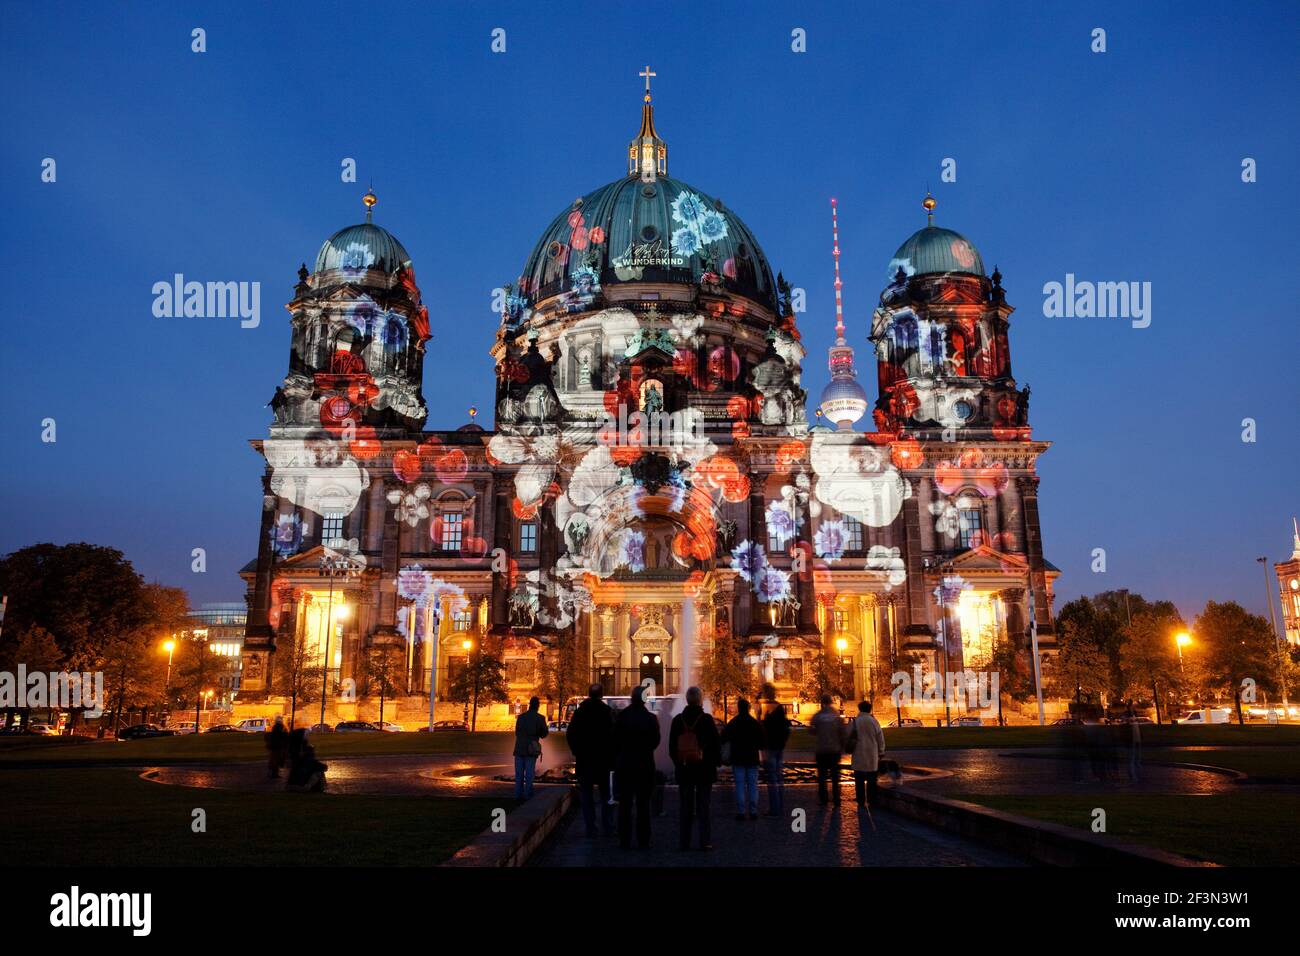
(852, 533)
(452, 526)
(331, 529)
(462, 620)
(979, 627)
(841, 620)
(528, 536)
(969, 526)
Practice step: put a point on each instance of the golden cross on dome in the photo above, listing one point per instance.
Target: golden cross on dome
(647, 73)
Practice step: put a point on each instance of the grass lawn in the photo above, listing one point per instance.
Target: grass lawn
(1276, 764)
(220, 748)
(925, 738)
(110, 817)
(1235, 829)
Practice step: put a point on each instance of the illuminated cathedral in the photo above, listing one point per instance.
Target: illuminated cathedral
(650, 494)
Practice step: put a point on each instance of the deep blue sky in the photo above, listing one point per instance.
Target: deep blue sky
(225, 166)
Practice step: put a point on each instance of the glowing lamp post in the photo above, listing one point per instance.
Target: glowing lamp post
(332, 566)
(1181, 639)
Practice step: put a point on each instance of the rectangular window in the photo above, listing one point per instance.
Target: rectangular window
(520, 670)
(528, 537)
(451, 530)
(331, 528)
(969, 526)
(853, 532)
(841, 620)
(788, 669)
(462, 620)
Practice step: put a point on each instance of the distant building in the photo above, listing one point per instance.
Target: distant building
(222, 624)
(1288, 584)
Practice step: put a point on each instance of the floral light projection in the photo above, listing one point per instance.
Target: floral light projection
(889, 561)
(830, 540)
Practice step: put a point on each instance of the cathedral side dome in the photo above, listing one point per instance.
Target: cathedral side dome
(936, 250)
(363, 246)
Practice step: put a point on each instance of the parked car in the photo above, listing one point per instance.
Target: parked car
(440, 725)
(221, 729)
(185, 727)
(557, 726)
(1206, 715)
(42, 730)
(796, 723)
(320, 729)
(1067, 722)
(143, 731)
(906, 722)
(356, 727)
(966, 722)
(388, 727)
(255, 725)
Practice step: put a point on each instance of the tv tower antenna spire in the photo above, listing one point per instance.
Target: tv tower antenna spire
(839, 300)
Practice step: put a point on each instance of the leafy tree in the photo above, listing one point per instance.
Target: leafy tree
(383, 671)
(724, 673)
(562, 669)
(300, 676)
(197, 670)
(1237, 646)
(35, 649)
(133, 661)
(826, 674)
(1148, 655)
(1082, 667)
(85, 595)
(482, 679)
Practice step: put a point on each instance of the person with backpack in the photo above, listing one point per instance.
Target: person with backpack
(828, 748)
(867, 745)
(744, 735)
(591, 739)
(530, 728)
(636, 735)
(776, 733)
(695, 750)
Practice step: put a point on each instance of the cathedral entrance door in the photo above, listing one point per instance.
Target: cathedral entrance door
(652, 666)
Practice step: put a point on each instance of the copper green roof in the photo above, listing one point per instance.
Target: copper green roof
(363, 246)
(934, 250)
(636, 231)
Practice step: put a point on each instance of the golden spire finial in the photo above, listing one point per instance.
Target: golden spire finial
(369, 199)
(929, 203)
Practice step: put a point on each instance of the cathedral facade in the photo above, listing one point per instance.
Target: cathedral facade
(651, 496)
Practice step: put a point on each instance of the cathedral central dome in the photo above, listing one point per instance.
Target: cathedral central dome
(632, 230)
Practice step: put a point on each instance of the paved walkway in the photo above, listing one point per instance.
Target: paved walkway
(845, 836)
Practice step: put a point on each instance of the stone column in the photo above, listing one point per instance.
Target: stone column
(1028, 488)
(917, 633)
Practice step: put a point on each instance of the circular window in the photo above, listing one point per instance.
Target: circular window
(645, 658)
(649, 233)
(649, 191)
(658, 659)
(555, 251)
(963, 410)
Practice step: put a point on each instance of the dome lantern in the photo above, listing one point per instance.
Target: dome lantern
(647, 154)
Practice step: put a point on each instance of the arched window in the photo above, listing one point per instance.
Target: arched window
(448, 524)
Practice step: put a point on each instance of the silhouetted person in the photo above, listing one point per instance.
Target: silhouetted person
(695, 750)
(277, 747)
(744, 734)
(828, 748)
(868, 747)
(305, 771)
(591, 739)
(776, 733)
(530, 728)
(636, 735)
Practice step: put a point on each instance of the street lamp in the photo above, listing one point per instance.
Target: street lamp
(168, 646)
(468, 645)
(1181, 639)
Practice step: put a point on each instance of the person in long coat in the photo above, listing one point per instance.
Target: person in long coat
(591, 739)
(867, 751)
(530, 728)
(636, 735)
